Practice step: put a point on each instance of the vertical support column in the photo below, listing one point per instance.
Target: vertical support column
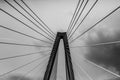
(52, 59)
(69, 66)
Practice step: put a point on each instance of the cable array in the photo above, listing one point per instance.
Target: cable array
(1, 26)
(77, 10)
(49, 30)
(25, 24)
(93, 64)
(45, 30)
(27, 18)
(74, 15)
(28, 72)
(83, 18)
(17, 56)
(18, 44)
(95, 24)
(99, 44)
(20, 67)
(85, 73)
(75, 22)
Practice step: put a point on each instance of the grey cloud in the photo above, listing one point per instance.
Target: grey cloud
(18, 77)
(108, 55)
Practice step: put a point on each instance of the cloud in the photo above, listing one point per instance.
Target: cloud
(21, 77)
(107, 55)
(18, 77)
(115, 79)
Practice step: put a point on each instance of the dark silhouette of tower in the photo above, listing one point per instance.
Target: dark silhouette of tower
(52, 63)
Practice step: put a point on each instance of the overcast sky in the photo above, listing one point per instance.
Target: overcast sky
(57, 15)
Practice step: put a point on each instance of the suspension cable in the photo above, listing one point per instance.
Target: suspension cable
(35, 20)
(99, 44)
(95, 24)
(19, 44)
(84, 18)
(78, 18)
(24, 24)
(73, 15)
(20, 67)
(81, 68)
(41, 68)
(26, 17)
(17, 56)
(100, 67)
(37, 16)
(28, 72)
(24, 34)
(90, 78)
(103, 68)
(84, 71)
(76, 68)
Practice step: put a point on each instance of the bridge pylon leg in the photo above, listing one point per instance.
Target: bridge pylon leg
(68, 60)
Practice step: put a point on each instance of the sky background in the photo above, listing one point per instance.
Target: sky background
(57, 15)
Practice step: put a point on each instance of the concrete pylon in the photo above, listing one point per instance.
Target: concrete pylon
(51, 69)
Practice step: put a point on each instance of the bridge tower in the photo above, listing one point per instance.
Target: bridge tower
(52, 63)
